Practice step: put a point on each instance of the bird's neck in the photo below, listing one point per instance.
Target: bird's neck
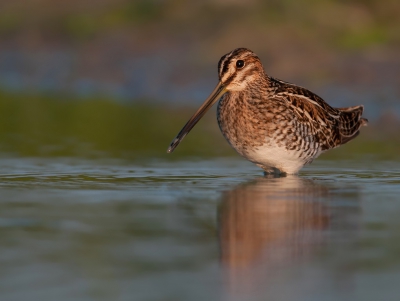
(258, 88)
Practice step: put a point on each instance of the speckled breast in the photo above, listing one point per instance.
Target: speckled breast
(265, 132)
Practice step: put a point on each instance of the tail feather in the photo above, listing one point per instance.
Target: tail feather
(350, 122)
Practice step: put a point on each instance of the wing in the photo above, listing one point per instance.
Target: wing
(316, 120)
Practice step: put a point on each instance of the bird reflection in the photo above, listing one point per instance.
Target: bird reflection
(270, 222)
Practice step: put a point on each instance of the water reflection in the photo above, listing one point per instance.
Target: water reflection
(268, 224)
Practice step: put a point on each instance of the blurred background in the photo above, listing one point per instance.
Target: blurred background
(118, 78)
(93, 208)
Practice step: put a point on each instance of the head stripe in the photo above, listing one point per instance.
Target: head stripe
(225, 61)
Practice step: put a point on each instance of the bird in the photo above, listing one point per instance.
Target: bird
(274, 124)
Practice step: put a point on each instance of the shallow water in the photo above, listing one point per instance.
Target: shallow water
(198, 230)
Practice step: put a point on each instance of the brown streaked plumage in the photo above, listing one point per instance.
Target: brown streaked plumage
(277, 125)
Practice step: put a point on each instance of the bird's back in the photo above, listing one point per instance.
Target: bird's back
(330, 126)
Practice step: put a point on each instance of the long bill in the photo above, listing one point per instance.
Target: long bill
(215, 95)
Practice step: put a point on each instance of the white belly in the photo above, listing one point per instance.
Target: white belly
(272, 158)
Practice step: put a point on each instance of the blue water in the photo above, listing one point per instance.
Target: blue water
(198, 230)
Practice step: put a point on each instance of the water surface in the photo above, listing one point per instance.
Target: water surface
(198, 230)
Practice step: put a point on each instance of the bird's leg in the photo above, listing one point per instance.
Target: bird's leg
(271, 171)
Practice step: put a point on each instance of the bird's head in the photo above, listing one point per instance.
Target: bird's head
(236, 70)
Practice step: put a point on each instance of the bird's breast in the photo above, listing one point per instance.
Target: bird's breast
(249, 122)
(240, 122)
(265, 131)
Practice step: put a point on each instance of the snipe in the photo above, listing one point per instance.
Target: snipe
(277, 125)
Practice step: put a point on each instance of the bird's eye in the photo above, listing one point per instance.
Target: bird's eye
(240, 63)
